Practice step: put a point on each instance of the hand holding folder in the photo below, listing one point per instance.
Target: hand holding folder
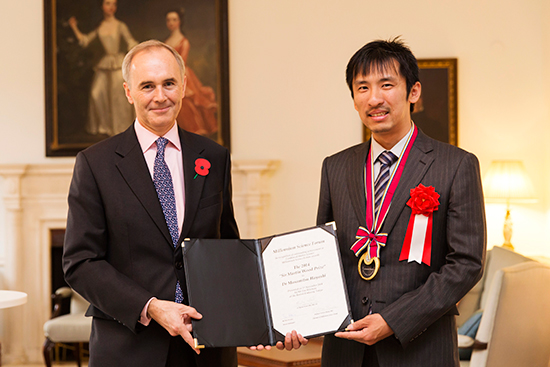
(254, 292)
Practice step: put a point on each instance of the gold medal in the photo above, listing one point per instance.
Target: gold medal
(368, 268)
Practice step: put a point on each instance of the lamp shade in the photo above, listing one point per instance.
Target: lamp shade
(507, 181)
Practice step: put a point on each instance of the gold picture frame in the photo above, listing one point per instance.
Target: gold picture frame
(71, 67)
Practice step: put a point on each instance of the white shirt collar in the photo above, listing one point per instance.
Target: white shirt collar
(397, 149)
(147, 138)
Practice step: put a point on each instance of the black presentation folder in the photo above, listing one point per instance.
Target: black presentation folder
(227, 285)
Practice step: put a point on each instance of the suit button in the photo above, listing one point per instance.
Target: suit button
(365, 300)
(179, 265)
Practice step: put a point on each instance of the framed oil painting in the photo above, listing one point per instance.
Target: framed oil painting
(85, 43)
(436, 111)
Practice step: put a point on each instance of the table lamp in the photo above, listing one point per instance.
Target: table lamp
(507, 182)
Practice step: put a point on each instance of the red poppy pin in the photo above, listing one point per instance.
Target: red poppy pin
(202, 167)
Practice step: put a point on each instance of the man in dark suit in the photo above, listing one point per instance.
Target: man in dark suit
(133, 199)
(411, 223)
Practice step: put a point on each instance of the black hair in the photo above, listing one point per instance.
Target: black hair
(380, 55)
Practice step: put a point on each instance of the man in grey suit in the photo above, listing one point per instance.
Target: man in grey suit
(134, 197)
(411, 223)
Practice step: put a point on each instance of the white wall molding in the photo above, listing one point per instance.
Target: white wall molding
(251, 194)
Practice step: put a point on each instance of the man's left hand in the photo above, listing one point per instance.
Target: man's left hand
(175, 318)
(369, 330)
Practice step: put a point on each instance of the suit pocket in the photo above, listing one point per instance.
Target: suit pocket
(210, 200)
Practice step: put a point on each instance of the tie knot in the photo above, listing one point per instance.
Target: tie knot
(161, 145)
(387, 158)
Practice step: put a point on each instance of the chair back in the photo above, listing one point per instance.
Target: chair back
(497, 258)
(516, 318)
(78, 304)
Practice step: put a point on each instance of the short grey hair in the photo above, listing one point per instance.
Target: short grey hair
(145, 46)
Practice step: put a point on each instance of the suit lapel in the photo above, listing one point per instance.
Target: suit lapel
(193, 186)
(415, 168)
(134, 170)
(356, 181)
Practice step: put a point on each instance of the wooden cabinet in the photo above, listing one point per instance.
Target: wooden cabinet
(306, 356)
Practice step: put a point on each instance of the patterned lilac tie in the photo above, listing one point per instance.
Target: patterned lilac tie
(386, 159)
(165, 192)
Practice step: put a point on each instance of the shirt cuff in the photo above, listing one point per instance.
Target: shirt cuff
(144, 319)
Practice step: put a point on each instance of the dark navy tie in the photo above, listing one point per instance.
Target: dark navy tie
(165, 192)
(386, 159)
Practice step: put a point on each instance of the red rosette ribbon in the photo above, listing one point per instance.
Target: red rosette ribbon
(202, 167)
(424, 200)
(418, 239)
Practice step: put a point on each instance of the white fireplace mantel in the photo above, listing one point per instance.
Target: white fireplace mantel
(35, 201)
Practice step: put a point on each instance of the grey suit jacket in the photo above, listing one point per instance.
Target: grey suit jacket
(118, 252)
(417, 301)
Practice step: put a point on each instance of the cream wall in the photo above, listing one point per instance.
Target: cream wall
(289, 100)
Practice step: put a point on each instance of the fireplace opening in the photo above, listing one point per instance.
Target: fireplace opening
(62, 352)
(56, 258)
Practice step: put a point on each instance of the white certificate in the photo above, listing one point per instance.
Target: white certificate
(305, 283)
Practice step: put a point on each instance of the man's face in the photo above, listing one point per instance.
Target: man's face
(381, 100)
(155, 88)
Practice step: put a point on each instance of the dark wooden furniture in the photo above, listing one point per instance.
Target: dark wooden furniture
(306, 356)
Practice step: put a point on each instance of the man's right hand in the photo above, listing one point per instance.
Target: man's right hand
(293, 340)
(175, 318)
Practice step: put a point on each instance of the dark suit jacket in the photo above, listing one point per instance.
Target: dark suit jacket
(118, 252)
(417, 301)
